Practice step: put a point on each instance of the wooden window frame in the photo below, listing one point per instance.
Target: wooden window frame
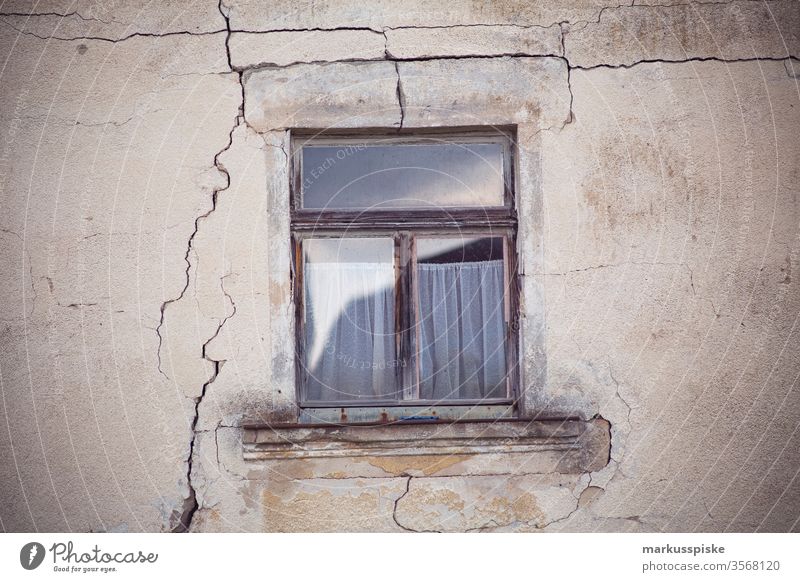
(403, 225)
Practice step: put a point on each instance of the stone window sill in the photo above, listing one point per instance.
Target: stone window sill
(567, 446)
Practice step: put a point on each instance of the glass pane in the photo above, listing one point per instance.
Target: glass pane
(349, 319)
(402, 176)
(460, 294)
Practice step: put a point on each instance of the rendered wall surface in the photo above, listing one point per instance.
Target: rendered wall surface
(146, 294)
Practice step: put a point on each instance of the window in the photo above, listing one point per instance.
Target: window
(405, 273)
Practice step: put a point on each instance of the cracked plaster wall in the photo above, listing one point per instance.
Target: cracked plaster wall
(146, 291)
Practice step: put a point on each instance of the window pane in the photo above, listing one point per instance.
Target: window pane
(461, 319)
(402, 176)
(349, 319)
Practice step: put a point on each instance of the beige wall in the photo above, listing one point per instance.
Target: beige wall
(146, 292)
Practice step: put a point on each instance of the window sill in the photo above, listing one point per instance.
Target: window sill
(568, 446)
(394, 414)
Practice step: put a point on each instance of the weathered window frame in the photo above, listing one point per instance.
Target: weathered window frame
(404, 225)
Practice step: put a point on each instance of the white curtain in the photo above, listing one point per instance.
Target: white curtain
(462, 330)
(350, 331)
(350, 340)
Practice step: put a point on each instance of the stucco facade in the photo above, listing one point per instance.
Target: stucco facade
(147, 324)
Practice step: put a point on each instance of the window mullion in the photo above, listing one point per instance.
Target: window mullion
(406, 318)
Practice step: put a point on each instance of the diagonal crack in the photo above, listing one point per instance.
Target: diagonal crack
(190, 243)
(190, 504)
(569, 515)
(619, 395)
(394, 512)
(214, 195)
(396, 501)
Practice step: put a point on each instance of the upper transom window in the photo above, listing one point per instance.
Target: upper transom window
(422, 174)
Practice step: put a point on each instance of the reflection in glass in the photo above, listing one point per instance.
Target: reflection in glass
(429, 175)
(460, 293)
(349, 319)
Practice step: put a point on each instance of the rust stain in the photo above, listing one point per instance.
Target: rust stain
(424, 464)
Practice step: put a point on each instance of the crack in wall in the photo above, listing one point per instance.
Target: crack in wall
(309, 29)
(586, 23)
(633, 4)
(190, 504)
(570, 514)
(570, 115)
(624, 402)
(616, 265)
(190, 243)
(508, 23)
(493, 523)
(580, 502)
(382, 30)
(56, 14)
(472, 25)
(512, 55)
(682, 61)
(392, 59)
(394, 510)
(107, 39)
(401, 98)
(563, 30)
(388, 56)
(394, 513)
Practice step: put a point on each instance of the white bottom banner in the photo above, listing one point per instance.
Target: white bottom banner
(355, 557)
